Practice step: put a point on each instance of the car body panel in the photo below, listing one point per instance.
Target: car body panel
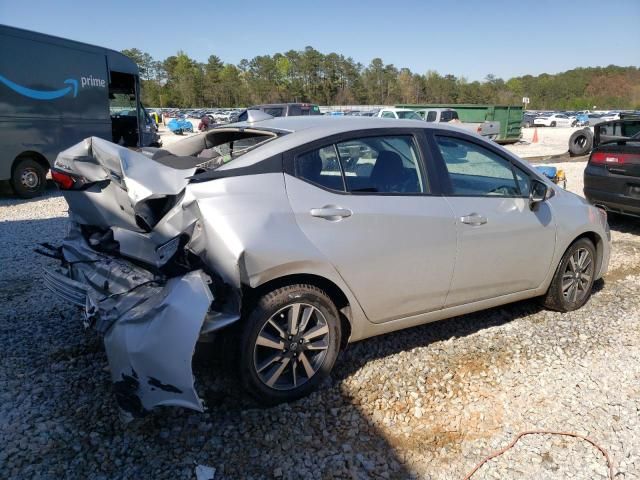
(490, 256)
(380, 250)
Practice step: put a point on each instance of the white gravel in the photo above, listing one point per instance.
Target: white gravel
(428, 402)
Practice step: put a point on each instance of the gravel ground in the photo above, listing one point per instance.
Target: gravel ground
(552, 141)
(429, 402)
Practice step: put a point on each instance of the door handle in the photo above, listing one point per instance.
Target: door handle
(329, 212)
(474, 219)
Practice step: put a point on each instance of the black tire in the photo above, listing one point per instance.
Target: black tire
(257, 364)
(580, 142)
(553, 124)
(561, 298)
(29, 178)
(527, 125)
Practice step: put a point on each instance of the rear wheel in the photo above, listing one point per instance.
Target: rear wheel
(29, 178)
(289, 344)
(572, 283)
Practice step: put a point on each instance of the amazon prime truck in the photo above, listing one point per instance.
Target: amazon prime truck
(54, 93)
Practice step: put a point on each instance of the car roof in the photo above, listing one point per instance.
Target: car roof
(301, 130)
(394, 109)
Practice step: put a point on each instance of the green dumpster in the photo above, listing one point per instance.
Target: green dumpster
(509, 116)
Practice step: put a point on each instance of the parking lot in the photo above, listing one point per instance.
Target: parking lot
(428, 402)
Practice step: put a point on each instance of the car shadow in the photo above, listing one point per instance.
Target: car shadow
(236, 435)
(8, 197)
(624, 223)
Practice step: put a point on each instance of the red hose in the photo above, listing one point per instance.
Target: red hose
(542, 432)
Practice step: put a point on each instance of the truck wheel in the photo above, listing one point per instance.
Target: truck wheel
(29, 178)
(289, 343)
(580, 142)
(553, 124)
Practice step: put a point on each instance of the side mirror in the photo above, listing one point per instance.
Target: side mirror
(537, 194)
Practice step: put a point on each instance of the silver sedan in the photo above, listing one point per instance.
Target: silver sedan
(298, 235)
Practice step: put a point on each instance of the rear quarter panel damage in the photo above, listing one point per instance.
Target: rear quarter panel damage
(150, 346)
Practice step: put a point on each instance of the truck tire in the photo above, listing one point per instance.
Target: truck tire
(29, 178)
(580, 142)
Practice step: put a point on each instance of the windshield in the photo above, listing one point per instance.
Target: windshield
(409, 115)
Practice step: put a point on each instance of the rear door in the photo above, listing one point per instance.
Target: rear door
(503, 246)
(366, 201)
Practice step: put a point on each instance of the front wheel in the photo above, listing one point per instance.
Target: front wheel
(553, 124)
(289, 343)
(572, 283)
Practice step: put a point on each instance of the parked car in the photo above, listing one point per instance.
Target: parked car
(554, 120)
(612, 175)
(404, 113)
(527, 119)
(319, 232)
(594, 119)
(488, 129)
(582, 119)
(607, 117)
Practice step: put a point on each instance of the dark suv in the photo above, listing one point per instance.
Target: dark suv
(612, 176)
(288, 109)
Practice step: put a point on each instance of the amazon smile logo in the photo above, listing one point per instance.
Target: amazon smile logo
(71, 88)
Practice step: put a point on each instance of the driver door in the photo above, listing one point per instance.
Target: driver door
(503, 246)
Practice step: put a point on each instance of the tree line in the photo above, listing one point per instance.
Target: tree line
(333, 79)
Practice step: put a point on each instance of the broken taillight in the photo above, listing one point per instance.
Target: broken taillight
(64, 180)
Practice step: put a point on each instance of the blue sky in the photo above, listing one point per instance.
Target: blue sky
(468, 38)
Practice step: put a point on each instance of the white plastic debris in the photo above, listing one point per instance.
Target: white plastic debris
(204, 472)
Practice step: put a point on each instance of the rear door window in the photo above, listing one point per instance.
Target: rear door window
(431, 116)
(385, 164)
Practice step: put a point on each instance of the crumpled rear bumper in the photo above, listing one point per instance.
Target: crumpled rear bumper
(150, 324)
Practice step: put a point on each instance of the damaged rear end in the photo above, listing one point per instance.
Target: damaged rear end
(134, 260)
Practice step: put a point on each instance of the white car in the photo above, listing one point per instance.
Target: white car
(554, 120)
(404, 113)
(607, 117)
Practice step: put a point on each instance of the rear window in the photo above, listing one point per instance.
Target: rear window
(274, 111)
(448, 115)
(220, 146)
(297, 110)
(409, 115)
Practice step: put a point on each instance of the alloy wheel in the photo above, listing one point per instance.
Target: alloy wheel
(576, 280)
(291, 346)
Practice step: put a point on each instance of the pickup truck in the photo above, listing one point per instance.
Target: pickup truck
(488, 129)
